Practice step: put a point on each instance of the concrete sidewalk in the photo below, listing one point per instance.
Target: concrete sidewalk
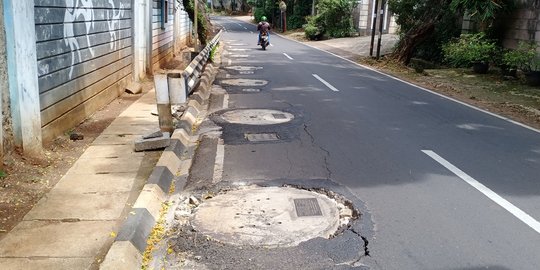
(73, 226)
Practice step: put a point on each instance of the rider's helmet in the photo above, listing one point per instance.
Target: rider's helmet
(263, 19)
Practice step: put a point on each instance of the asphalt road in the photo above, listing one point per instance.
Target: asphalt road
(448, 186)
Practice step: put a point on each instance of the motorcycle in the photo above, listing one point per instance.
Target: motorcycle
(264, 41)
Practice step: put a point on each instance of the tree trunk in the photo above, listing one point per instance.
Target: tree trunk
(408, 43)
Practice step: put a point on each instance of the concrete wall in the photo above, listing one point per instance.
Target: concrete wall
(364, 18)
(182, 28)
(84, 52)
(523, 24)
(162, 32)
(78, 56)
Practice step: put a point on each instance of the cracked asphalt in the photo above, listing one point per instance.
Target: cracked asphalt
(397, 151)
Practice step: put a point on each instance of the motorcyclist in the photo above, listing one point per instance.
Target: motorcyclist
(263, 27)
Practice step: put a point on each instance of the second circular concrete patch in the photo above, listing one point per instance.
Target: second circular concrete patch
(268, 216)
(257, 117)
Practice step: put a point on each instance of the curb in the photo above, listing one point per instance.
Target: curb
(130, 244)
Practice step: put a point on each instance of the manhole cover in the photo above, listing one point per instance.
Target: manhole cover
(307, 207)
(243, 68)
(257, 117)
(245, 82)
(267, 216)
(251, 90)
(261, 137)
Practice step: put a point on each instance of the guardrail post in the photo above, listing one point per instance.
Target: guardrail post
(163, 103)
(177, 88)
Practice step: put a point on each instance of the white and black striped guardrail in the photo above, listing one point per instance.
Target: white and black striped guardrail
(193, 72)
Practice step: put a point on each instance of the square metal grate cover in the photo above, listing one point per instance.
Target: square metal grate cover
(261, 137)
(307, 207)
(279, 116)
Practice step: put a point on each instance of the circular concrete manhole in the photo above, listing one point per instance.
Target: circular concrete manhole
(269, 216)
(257, 117)
(245, 82)
(243, 68)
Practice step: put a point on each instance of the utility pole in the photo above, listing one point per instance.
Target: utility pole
(283, 21)
(313, 8)
(195, 25)
(212, 5)
(381, 25)
(373, 26)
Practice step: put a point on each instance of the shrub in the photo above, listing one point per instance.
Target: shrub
(334, 19)
(469, 49)
(524, 57)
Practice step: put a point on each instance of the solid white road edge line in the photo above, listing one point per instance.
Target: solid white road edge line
(288, 56)
(524, 217)
(325, 83)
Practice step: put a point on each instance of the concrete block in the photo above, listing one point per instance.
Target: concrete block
(151, 198)
(152, 135)
(169, 160)
(56, 239)
(134, 88)
(176, 147)
(45, 263)
(153, 143)
(122, 255)
(161, 176)
(136, 229)
(184, 137)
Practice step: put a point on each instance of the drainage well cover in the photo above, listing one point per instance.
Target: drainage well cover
(267, 216)
(257, 117)
(261, 137)
(245, 82)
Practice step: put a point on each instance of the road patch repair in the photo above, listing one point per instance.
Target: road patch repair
(258, 125)
(269, 216)
(257, 117)
(245, 82)
(270, 225)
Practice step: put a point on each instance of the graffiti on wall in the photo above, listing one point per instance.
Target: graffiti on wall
(83, 10)
(114, 21)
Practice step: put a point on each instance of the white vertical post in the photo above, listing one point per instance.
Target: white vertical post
(140, 33)
(3, 82)
(23, 77)
(163, 103)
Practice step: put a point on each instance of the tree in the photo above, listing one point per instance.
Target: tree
(418, 20)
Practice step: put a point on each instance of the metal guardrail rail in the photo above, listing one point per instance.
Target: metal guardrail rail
(192, 73)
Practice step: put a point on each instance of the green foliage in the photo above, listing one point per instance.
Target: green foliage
(483, 10)
(213, 52)
(469, 49)
(313, 29)
(297, 12)
(412, 14)
(334, 19)
(3, 174)
(202, 24)
(268, 8)
(525, 57)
